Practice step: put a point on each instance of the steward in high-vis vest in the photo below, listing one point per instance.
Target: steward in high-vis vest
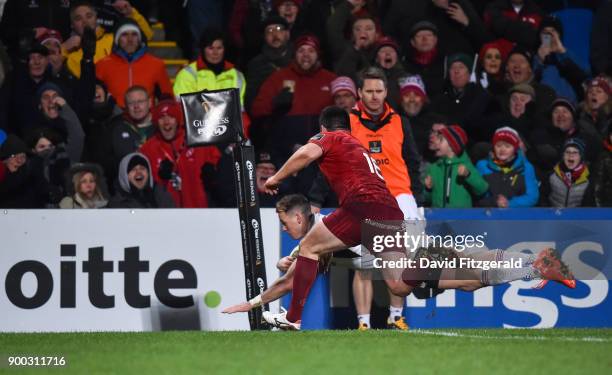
(388, 138)
(211, 71)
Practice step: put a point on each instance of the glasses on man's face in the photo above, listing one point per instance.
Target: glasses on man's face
(273, 29)
(137, 102)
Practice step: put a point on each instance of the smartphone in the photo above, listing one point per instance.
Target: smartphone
(546, 40)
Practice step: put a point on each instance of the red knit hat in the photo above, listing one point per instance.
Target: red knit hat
(387, 41)
(502, 45)
(168, 107)
(309, 40)
(456, 138)
(507, 134)
(601, 82)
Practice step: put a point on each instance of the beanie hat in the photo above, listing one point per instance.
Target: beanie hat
(413, 84)
(308, 40)
(168, 107)
(13, 145)
(502, 45)
(462, 58)
(386, 41)
(38, 48)
(456, 138)
(128, 26)
(343, 83)
(523, 88)
(275, 20)
(577, 143)
(48, 86)
(563, 102)
(509, 135)
(50, 36)
(601, 82)
(423, 25)
(137, 159)
(554, 22)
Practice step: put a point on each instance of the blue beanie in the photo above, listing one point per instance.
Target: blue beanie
(48, 86)
(577, 143)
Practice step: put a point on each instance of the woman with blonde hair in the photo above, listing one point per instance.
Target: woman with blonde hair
(86, 186)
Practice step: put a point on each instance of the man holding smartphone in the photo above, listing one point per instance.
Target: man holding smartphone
(555, 63)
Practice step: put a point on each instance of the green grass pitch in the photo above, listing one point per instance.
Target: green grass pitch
(444, 351)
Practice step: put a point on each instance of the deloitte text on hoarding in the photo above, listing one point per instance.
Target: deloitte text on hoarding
(125, 270)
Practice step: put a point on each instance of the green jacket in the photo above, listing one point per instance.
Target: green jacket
(450, 190)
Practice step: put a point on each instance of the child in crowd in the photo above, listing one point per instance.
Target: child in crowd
(569, 183)
(511, 177)
(452, 179)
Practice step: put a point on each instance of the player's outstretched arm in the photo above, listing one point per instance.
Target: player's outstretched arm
(298, 161)
(279, 288)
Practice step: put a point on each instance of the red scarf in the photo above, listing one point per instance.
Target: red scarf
(608, 145)
(570, 176)
(425, 58)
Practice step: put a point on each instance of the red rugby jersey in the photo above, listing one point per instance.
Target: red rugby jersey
(349, 169)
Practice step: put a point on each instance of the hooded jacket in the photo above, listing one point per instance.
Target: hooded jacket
(518, 182)
(75, 200)
(127, 196)
(120, 71)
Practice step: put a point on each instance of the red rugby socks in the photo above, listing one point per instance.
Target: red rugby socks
(305, 276)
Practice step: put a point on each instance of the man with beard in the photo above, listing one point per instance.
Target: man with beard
(174, 165)
(136, 187)
(275, 54)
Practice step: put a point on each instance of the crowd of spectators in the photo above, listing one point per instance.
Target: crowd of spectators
(508, 102)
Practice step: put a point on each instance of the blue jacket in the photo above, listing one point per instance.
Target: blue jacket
(561, 72)
(518, 183)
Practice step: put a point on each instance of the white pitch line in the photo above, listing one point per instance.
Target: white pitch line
(535, 338)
